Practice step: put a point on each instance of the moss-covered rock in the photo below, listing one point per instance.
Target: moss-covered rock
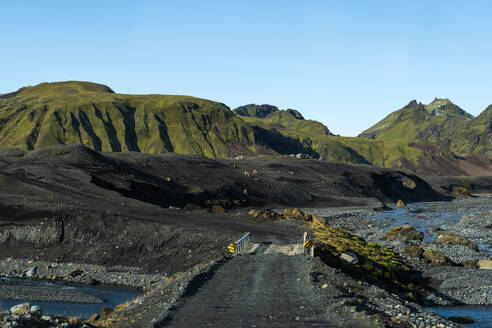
(372, 259)
(460, 191)
(404, 233)
(448, 238)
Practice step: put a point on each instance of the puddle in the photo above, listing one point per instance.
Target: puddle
(111, 295)
(482, 315)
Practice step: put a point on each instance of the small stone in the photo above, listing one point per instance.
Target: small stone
(324, 286)
(218, 209)
(35, 309)
(30, 272)
(485, 264)
(350, 258)
(400, 203)
(46, 318)
(75, 273)
(20, 309)
(93, 317)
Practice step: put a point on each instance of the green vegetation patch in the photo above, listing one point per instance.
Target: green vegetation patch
(374, 262)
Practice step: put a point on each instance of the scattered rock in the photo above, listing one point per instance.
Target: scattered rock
(30, 272)
(266, 215)
(324, 286)
(106, 311)
(400, 203)
(92, 281)
(453, 239)
(469, 263)
(485, 264)
(20, 309)
(350, 258)
(93, 318)
(218, 209)
(75, 273)
(295, 213)
(35, 309)
(413, 251)
(460, 191)
(405, 233)
(462, 320)
(45, 318)
(437, 258)
(409, 184)
(318, 219)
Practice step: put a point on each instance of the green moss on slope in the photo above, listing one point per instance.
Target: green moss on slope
(93, 115)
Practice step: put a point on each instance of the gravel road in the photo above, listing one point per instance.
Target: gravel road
(267, 288)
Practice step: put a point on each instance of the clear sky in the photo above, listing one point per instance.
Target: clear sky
(345, 63)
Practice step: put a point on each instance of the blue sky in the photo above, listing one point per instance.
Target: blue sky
(345, 63)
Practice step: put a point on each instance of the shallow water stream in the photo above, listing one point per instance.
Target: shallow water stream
(432, 219)
(482, 315)
(111, 296)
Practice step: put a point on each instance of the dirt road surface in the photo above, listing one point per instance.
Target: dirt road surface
(269, 287)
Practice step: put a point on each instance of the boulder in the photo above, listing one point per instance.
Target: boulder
(218, 209)
(295, 213)
(319, 219)
(485, 264)
(400, 203)
(413, 251)
(436, 258)
(20, 309)
(448, 238)
(265, 215)
(106, 311)
(405, 233)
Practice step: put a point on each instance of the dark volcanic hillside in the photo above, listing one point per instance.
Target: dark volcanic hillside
(93, 115)
(86, 202)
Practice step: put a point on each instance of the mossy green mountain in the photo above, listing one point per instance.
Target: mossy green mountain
(93, 115)
(440, 122)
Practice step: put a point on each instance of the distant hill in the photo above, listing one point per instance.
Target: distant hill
(420, 138)
(93, 115)
(442, 123)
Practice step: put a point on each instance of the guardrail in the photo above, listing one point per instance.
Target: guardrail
(240, 245)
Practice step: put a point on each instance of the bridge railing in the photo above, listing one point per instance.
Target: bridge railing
(240, 245)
